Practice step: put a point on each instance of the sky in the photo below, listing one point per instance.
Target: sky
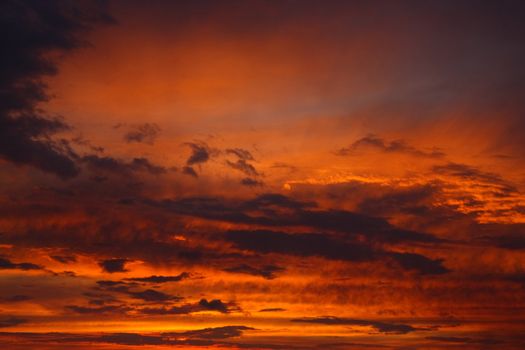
(262, 174)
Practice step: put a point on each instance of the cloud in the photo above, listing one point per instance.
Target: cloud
(382, 327)
(6, 264)
(269, 200)
(112, 165)
(188, 170)
(251, 182)
(372, 142)
(515, 277)
(160, 279)
(299, 244)
(19, 144)
(404, 200)
(144, 133)
(267, 271)
(143, 164)
(509, 236)
(272, 309)
(242, 163)
(276, 210)
(420, 263)
(11, 321)
(127, 339)
(465, 340)
(203, 305)
(153, 295)
(200, 153)
(149, 295)
(100, 298)
(64, 259)
(330, 234)
(113, 265)
(37, 28)
(467, 172)
(240, 153)
(112, 284)
(207, 337)
(337, 234)
(512, 242)
(215, 333)
(109, 309)
(17, 298)
(322, 245)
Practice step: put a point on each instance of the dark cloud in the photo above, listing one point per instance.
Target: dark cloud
(299, 244)
(149, 295)
(420, 263)
(19, 144)
(11, 321)
(242, 164)
(142, 339)
(276, 210)
(128, 339)
(145, 133)
(405, 200)
(382, 327)
(322, 245)
(502, 235)
(143, 164)
(370, 228)
(113, 265)
(35, 29)
(161, 279)
(277, 200)
(280, 165)
(272, 309)
(99, 179)
(17, 298)
(334, 235)
(344, 235)
(64, 259)
(109, 309)
(100, 298)
(266, 271)
(112, 165)
(513, 242)
(465, 340)
(240, 153)
(247, 181)
(217, 208)
(153, 296)
(397, 146)
(121, 238)
(215, 333)
(203, 305)
(188, 170)
(6, 264)
(515, 277)
(107, 284)
(200, 153)
(467, 172)
(208, 337)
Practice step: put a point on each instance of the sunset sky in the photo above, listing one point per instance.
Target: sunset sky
(262, 174)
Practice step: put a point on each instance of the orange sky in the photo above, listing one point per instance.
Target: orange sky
(262, 174)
